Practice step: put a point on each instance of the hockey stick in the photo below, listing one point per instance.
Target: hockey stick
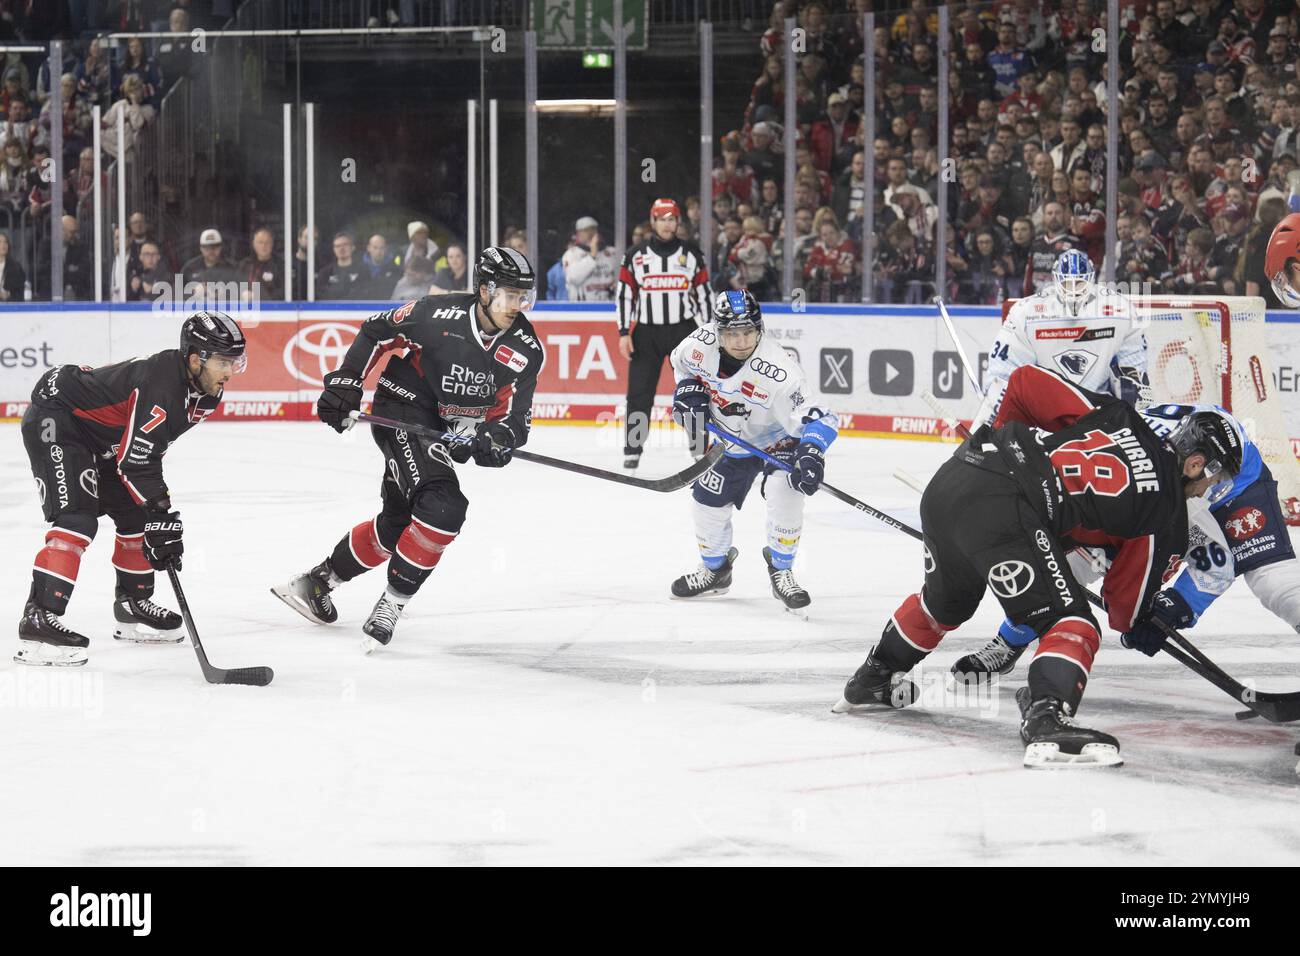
(675, 482)
(1285, 707)
(956, 342)
(256, 676)
(830, 489)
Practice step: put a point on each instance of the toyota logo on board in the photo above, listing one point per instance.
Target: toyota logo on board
(318, 349)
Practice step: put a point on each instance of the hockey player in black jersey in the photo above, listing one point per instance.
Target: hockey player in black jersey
(468, 363)
(96, 439)
(1005, 511)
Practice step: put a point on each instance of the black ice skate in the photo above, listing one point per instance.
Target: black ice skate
(309, 594)
(43, 641)
(995, 657)
(705, 580)
(876, 683)
(382, 621)
(785, 588)
(1054, 741)
(140, 621)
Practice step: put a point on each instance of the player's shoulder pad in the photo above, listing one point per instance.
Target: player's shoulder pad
(771, 361)
(451, 307)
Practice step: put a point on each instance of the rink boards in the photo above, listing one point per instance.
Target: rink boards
(870, 363)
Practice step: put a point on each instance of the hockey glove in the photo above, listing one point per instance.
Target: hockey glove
(493, 445)
(341, 397)
(162, 540)
(809, 469)
(691, 410)
(1168, 607)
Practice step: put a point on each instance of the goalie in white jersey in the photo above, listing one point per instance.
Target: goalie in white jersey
(730, 372)
(1086, 334)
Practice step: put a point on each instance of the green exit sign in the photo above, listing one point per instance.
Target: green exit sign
(596, 61)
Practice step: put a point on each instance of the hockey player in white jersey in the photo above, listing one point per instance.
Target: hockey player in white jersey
(1085, 333)
(730, 372)
(1235, 530)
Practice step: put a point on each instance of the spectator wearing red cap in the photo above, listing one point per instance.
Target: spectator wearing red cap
(663, 296)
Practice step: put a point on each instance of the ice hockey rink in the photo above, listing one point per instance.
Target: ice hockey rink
(545, 702)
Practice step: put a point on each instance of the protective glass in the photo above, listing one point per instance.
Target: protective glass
(234, 364)
(1286, 293)
(521, 299)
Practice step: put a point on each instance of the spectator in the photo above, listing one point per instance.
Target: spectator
(1230, 227)
(20, 126)
(12, 278)
(833, 265)
(137, 62)
(730, 176)
(1071, 148)
(78, 277)
(76, 121)
(732, 232)
(590, 267)
(1018, 255)
(850, 191)
(1054, 239)
(417, 278)
(380, 266)
(517, 241)
(763, 157)
(1251, 275)
(138, 233)
(14, 186)
(919, 217)
(769, 207)
(985, 273)
(769, 88)
(81, 184)
(136, 113)
(990, 210)
(419, 244)
(261, 275)
(144, 274)
(1087, 215)
(454, 276)
(345, 278)
(1141, 262)
(209, 266)
(300, 272)
(1192, 272)
(13, 88)
(176, 54)
(96, 77)
(1007, 60)
(904, 267)
(829, 135)
(39, 179)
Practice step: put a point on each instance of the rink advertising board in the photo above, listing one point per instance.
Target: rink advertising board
(869, 363)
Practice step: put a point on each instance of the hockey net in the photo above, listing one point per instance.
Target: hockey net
(1214, 349)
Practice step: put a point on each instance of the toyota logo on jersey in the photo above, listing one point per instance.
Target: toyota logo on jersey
(317, 349)
(665, 283)
(1245, 523)
(1010, 579)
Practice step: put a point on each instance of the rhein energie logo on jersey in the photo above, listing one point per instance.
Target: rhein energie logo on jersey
(465, 381)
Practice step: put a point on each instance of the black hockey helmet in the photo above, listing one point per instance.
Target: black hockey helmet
(214, 333)
(1213, 435)
(737, 309)
(504, 268)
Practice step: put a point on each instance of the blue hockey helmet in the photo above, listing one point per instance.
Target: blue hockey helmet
(737, 309)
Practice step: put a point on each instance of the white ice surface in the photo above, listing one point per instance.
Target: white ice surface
(545, 702)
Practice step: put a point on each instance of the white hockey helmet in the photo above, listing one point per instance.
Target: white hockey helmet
(1074, 278)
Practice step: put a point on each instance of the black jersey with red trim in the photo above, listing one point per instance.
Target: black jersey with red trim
(439, 361)
(131, 411)
(1098, 474)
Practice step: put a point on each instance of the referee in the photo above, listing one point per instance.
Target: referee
(663, 296)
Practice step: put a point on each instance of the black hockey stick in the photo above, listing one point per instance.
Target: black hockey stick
(256, 676)
(682, 479)
(1276, 708)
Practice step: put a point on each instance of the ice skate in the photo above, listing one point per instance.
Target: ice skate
(875, 684)
(706, 580)
(382, 622)
(786, 589)
(1054, 741)
(309, 594)
(44, 641)
(141, 621)
(995, 657)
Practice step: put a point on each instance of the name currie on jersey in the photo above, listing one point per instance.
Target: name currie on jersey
(465, 381)
(1140, 466)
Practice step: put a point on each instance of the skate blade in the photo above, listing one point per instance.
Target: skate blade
(139, 634)
(36, 654)
(718, 592)
(904, 694)
(800, 612)
(1048, 756)
(291, 599)
(369, 645)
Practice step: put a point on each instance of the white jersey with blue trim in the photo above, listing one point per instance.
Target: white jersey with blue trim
(764, 402)
(1210, 571)
(1088, 348)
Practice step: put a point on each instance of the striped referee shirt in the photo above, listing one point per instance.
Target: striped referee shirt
(663, 283)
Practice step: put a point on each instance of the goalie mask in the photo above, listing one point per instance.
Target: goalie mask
(1212, 435)
(1073, 277)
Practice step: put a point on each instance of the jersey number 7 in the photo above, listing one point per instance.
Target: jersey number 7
(1085, 468)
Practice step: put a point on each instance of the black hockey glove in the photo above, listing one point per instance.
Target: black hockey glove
(341, 397)
(162, 540)
(691, 410)
(809, 468)
(1167, 606)
(494, 443)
